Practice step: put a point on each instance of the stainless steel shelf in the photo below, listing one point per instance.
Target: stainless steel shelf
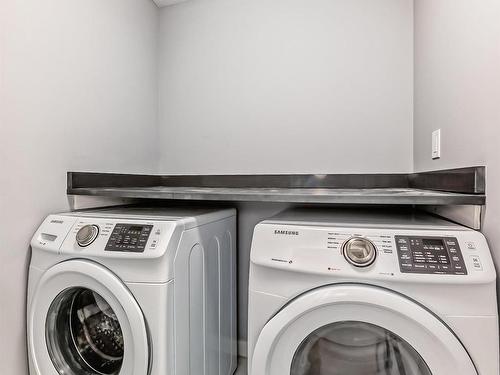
(463, 186)
(389, 196)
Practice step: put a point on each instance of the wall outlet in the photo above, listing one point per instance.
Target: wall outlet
(436, 144)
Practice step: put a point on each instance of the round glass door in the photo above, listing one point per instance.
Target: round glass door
(356, 348)
(83, 334)
(351, 329)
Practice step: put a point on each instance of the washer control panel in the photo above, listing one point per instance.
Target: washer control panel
(430, 255)
(129, 237)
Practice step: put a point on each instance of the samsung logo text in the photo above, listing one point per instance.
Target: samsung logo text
(287, 232)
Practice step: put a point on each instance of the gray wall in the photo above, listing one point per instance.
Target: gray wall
(286, 86)
(78, 91)
(457, 89)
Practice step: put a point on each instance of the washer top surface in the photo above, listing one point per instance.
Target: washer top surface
(191, 216)
(364, 218)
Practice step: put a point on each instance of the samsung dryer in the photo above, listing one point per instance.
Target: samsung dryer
(340, 292)
(133, 291)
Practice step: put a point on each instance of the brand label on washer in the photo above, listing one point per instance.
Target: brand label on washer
(286, 232)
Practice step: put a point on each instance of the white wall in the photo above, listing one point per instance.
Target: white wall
(457, 89)
(78, 91)
(286, 86)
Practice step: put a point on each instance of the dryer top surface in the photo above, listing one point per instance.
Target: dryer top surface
(383, 217)
(191, 217)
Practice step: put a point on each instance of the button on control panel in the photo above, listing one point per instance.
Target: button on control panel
(476, 262)
(430, 255)
(470, 245)
(129, 238)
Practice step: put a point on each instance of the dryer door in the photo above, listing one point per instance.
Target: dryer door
(84, 321)
(357, 330)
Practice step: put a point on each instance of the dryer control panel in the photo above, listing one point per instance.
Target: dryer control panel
(430, 255)
(129, 237)
(340, 248)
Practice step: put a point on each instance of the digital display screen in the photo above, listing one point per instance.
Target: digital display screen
(432, 242)
(135, 229)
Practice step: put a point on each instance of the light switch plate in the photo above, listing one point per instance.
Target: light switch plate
(436, 144)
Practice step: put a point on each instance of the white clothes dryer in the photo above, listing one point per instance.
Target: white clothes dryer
(350, 292)
(133, 291)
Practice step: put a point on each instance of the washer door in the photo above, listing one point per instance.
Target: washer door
(357, 330)
(84, 321)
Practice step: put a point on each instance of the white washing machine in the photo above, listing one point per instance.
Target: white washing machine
(370, 293)
(133, 291)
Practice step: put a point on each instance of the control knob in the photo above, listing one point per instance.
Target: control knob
(87, 234)
(359, 251)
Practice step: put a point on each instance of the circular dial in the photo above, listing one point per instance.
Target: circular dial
(359, 251)
(87, 234)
